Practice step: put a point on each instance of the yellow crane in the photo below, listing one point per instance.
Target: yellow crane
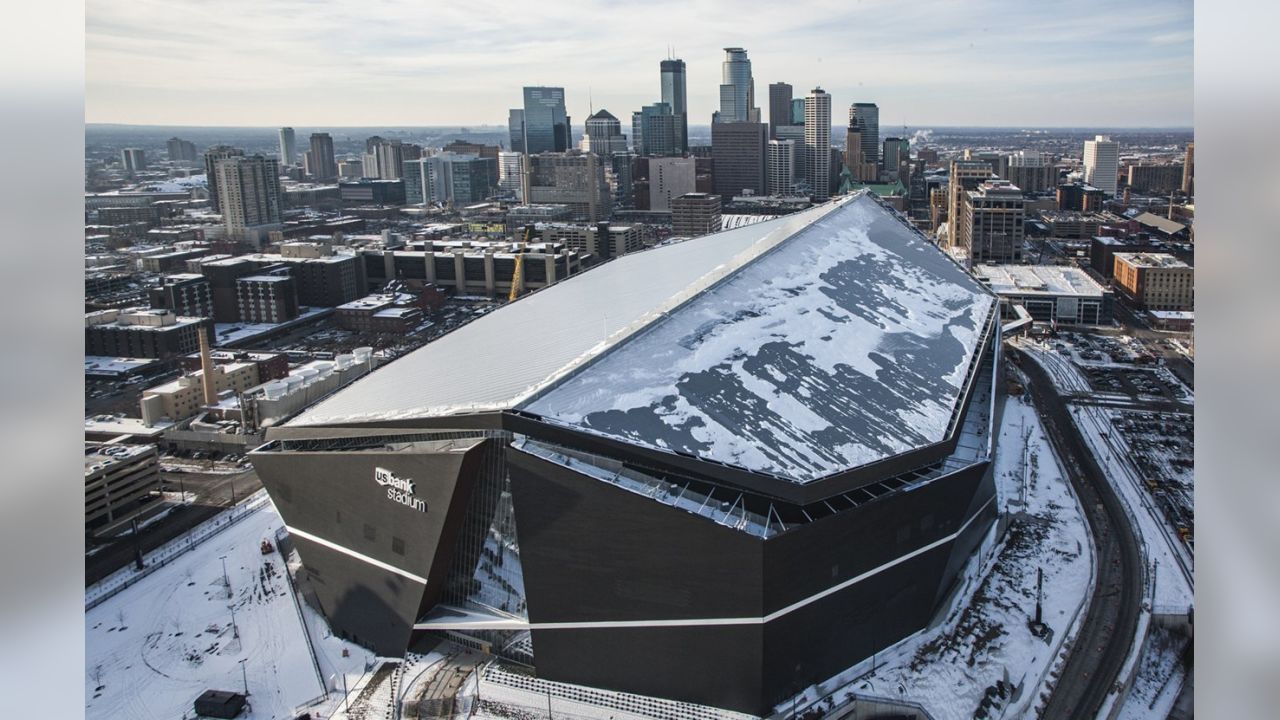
(517, 277)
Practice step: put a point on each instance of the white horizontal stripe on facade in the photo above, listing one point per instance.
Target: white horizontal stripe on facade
(352, 553)
(507, 624)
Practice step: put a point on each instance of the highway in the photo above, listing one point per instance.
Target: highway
(1108, 628)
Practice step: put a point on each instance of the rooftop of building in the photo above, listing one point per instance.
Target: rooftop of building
(1038, 280)
(1151, 260)
(100, 456)
(194, 379)
(797, 347)
(1164, 225)
(266, 278)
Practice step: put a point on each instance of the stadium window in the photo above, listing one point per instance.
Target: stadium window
(370, 532)
(397, 545)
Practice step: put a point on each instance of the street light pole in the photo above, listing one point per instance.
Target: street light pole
(226, 581)
(244, 676)
(235, 629)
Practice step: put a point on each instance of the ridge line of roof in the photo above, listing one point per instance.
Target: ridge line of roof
(707, 282)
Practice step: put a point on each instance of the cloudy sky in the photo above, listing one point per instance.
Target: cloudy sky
(420, 62)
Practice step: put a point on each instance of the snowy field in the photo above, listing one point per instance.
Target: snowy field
(1159, 677)
(153, 648)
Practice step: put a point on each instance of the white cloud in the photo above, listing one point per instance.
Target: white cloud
(406, 62)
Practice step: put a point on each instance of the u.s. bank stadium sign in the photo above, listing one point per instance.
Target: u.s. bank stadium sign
(399, 489)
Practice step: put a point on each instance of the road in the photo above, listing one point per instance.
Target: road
(1109, 626)
(213, 493)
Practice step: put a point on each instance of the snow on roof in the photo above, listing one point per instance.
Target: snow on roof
(503, 357)
(848, 342)
(1038, 280)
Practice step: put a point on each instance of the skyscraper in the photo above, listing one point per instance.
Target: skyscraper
(603, 135)
(133, 159)
(384, 159)
(181, 150)
(797, 111)
(515, 127)
(965, 175)
(1031, 171)
(288, 147)
(211, 158)
(817, 143)
(510, 177)
(779, 107)
(1188, 170)
(323, 165)
(546, 125)
(248, 191)
(896, 152)
(780, 166)
(1102, 163)
(738, 150)
(737, 89)
(675, 95)
(866, 118)
(991, 226)
(655, 131)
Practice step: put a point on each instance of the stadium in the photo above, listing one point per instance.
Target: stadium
(715, 471)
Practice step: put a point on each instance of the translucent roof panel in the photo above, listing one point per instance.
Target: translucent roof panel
(847, 343)
(500, 359)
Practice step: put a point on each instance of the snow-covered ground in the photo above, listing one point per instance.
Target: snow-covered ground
(986, 637)
(153, 648)
(1159, 677)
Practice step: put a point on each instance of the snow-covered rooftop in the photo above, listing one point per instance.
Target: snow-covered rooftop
(847, 343)
(1038, 280)
(798, 346)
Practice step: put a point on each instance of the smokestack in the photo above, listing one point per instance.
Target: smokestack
(206, 369)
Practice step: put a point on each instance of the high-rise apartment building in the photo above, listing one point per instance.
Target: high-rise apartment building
(655, 131)
(780, 167)
(1188, 170)
(510, 178)
(738, 150)
(323, 166)
(1102, 163)
(1032, 171)
(866, 118)
(545, 124)
(779, 107)
(211, 158)
(133, 160)
(737, 89)
(675, 94)
(965, 175)
(267, 298)
(669, 178)
(695, 214)
(991, 225)
(288, 147)
(817, 143)
(183, 151)
(248, 192)
(384, 159)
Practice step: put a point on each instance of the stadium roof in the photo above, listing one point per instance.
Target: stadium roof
(796, 347)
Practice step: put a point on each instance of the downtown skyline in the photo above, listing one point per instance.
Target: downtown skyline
(182, 64)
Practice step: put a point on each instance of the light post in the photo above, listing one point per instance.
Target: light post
(226, 581)
(235, 629)
(244, 676)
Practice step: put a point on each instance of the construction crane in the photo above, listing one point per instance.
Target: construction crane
(517, 277)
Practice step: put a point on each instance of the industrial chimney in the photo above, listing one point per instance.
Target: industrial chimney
(206, 369)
